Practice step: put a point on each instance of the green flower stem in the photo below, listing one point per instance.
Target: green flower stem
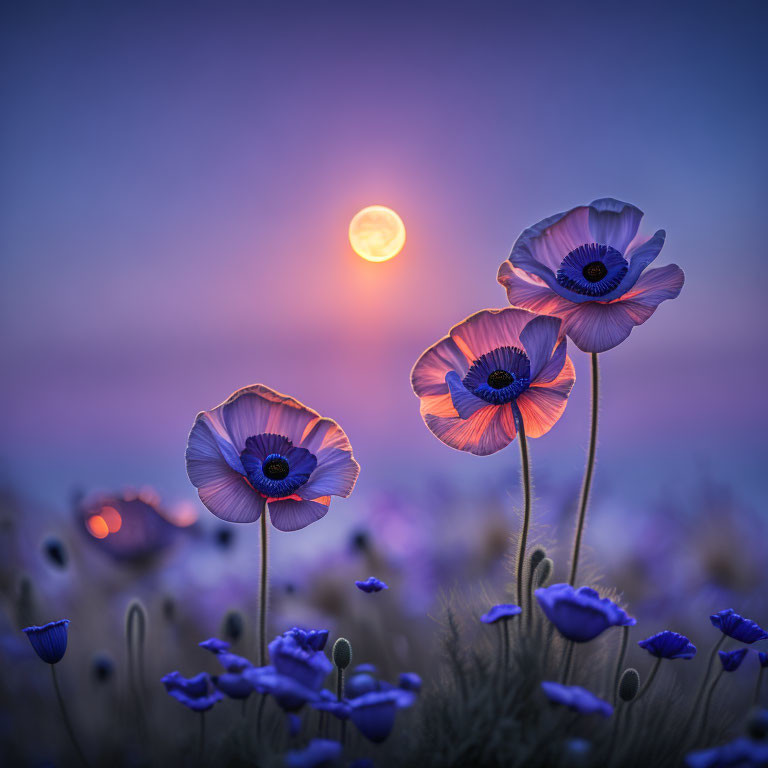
(525, 465)
(65, 717)
(620, 662)
(587, 484)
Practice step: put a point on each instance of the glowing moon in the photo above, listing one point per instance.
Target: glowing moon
(377, 233)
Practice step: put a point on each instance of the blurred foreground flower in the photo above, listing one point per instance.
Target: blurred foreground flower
(741, 753)
(577, 698)
(586, 266)
(196, 693)
(318, 754)
(499, 612)
(471, 382)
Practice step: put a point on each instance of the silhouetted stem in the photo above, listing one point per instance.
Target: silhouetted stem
(759, 683)
(263, 592)
(505, 629)
(568, 661)
(339, 695)
(526, 480)
(202, 733)
(65, 717)
(620, 662)
(647, 684)
(708, 701)
(703, 685)
(587, 484)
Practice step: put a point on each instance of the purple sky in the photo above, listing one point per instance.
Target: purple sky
(177, 186)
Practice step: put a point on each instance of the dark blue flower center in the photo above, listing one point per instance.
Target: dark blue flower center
(274, 466)
(499, 376)
(592, 269)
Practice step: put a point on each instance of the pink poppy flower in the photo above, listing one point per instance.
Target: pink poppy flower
(469, 381)
(586, 266)
(262, 448)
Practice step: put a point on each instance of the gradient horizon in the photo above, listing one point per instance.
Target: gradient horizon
(178, 183)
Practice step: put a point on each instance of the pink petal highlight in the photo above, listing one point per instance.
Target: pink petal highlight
(294, 514)
(542, 405)
(490, 329)
(428, 375)
(324, 435)
(487, 431)
(534, 296)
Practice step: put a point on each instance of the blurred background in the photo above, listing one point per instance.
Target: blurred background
(177, 184)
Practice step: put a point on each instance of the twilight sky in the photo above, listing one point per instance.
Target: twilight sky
(178, 179)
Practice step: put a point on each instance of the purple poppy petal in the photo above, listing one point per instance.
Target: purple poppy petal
(542, 247)
(463, 400)
(555, 365)
(539, 338)
(223, 490)
(596, 327)
(613, 222)
(655, 286)
(487, 431)
(257, 409)
(542, 405)
(293, 514)
(428, 375)
(324, 435)
(639, 256)
(490, 329)
(336, 474)
(533, 296)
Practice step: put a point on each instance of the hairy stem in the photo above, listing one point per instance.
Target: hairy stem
(587, 484)
(568, 661)
(702, 686)
(263, 590)
(339, 695)
(505, 625)
(708, 702)
(65, 717)
(525, 465)
(620, 662)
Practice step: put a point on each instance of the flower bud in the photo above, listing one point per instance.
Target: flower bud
(543, 572)
(342, 653)
(629, 684)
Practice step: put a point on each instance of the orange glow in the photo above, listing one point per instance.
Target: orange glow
(97, 527)
(377, 233)
(112, 518)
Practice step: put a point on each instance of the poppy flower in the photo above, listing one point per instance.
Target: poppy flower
(744, 630)
(580, 614)
(288, 692)
(318, 754)
(586, 266)
(499, 612)
(371, 584)
(214, 645)
(469, 381)
(374, 713)
(196, 693)
(309, 639)
(260, 449)
(668, 645)
(731, 660)
(49, 641)
(577, 698)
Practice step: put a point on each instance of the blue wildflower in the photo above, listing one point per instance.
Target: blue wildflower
(374, 713)
(329, 703)
(309, 639)
(501, 611)
(741, 753)
(319, 754)
(668, 645)
(731, 660)
(232, 662)
(197, 693)
(289, 693)
(49, 641)
(410, 681)
(579, 699)
(580, 614)
(232, 682)
(744, 630)
(359, 683)
(371, 584)
(214, 645)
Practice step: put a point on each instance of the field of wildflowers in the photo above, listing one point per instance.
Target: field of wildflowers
(508, 647)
